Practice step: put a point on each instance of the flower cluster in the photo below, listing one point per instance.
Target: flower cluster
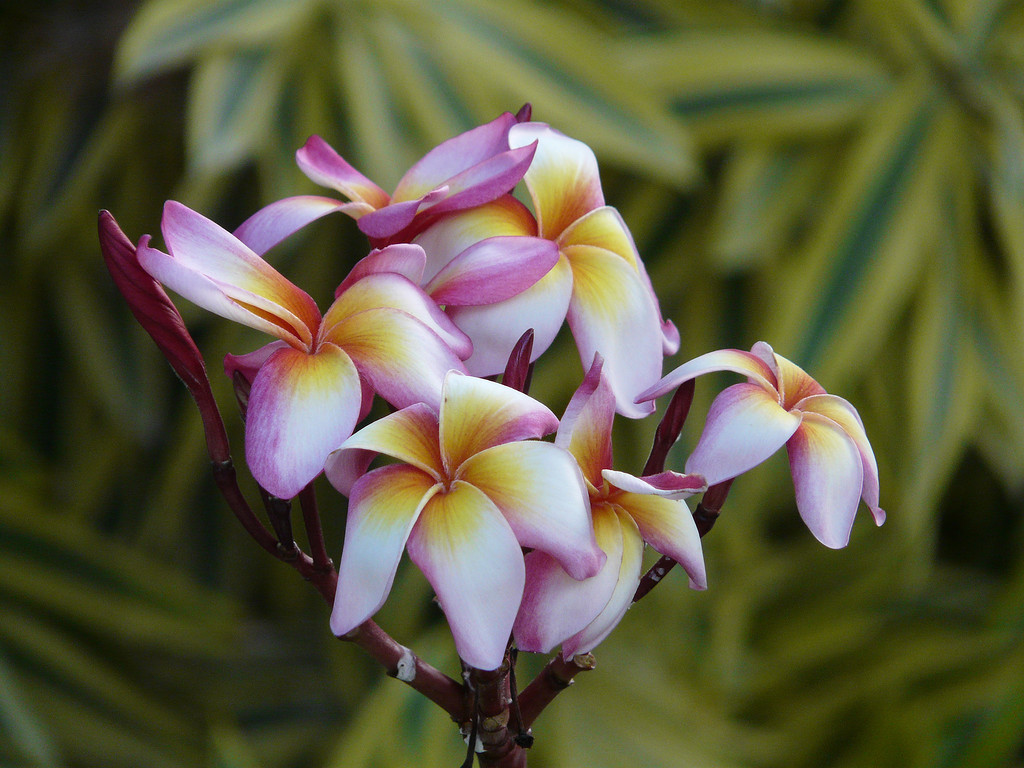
(520, 537)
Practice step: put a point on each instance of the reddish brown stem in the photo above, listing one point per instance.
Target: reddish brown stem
(653, 577)
(227, 483)
(492, 699)
(314, 531)
(669, 427)
(491, 689)
(704, 516)
(515, 757)
(401, 663)
(552, 680)
(710, 506)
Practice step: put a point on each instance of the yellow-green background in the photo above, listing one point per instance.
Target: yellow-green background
(844, 179)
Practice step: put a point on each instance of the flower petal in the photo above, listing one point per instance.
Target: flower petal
(846, 416)
(586, 427)
(388, 289)
(602, 228)
(448, 237)
(794, 383)
(763, 350)
(670, 485)
(485, 181)
(301, 407)
(282, 218)
(456, 155)
(403, 360)
(555, 605)
(669, 337)
(493, 270)
(232, 303)
(345, 466)
(250, 363)
(466, 171)
(735, 360)
(390, 220)
(621, 598)
(401, 258)
(539, 489)
(668, 526)
(495, 328)
(213, 269)
(745, 425)
(409, 435)
(382, 510)
(828, 475)
(563, 178)
(470, 556)
(612, 312)
(477, 414)
(318, 160)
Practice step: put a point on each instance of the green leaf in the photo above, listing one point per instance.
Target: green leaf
(65, 570)
(943, 393)
(576, 81)
(234, 96)
(21, 723)
(835, 298)
(742, 83)
(170, 33)
(230, 748)
(380, 126)
(92, 737)
(49, 653)
(993, 737)
(996, 340)
(1007, 190)
(764, 196)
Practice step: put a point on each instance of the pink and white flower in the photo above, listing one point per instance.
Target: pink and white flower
(463, 172)
(471, 491)
(627, 511)
(831, 459)
(598, 280)
(382, 332)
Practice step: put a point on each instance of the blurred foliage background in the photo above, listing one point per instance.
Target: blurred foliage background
(842, 178)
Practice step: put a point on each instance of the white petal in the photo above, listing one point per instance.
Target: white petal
(471, 558)
(384, 506)
(745, 426)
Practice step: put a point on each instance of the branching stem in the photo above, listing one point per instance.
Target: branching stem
(556, 676)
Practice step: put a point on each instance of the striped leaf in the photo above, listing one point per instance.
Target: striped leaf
(233, 97)
(837, 297)
(29, 734)
(943, 394)
(170, 33)
(731, 84)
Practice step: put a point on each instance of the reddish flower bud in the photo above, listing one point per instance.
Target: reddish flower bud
(161, 320)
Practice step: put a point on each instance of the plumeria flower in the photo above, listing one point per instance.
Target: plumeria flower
(831, 459)
(465, 171)
(307, 392)
(471, 491)
(627, 511)
(491, 269)
(598, 282)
